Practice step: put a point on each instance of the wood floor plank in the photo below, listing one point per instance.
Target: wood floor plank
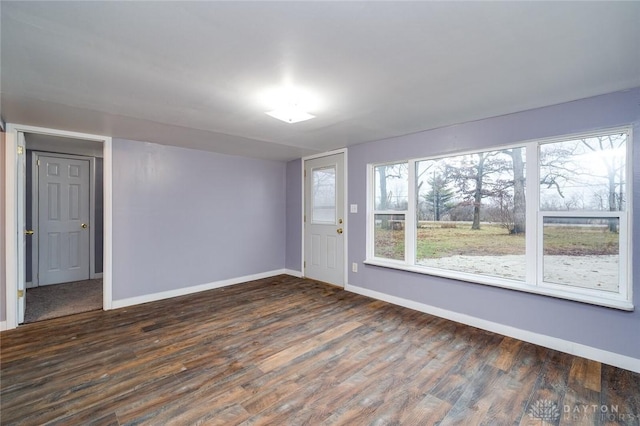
(550, 389)
(476, 399)
(508, 349)
(289, 354)
(428, 411)
(620, 396)
(585, 373)
(513, 389)
(579, 399)
(291, 351)
(197, 409)
(454, 382)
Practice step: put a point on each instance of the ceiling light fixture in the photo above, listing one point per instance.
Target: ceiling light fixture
(290, 114)
(290, 104)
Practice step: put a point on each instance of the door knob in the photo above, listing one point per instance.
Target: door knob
(28, 232)
(339, 230)
(83, 226)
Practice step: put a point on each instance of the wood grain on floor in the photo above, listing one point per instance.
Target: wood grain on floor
(291, 351)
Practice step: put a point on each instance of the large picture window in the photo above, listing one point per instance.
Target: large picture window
(548, 217)
(471, 213)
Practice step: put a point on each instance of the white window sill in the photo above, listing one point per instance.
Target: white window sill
(593, 297)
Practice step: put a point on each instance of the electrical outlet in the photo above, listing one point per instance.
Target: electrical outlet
(354, 267)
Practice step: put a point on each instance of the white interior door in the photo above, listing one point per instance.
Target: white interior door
(63, 220)
(324, 219)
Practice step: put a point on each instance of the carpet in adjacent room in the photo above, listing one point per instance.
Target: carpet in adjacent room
(57, 300)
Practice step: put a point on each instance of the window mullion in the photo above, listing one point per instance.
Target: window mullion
(410, 219)
(370, 207)
(624, 256)
(533, 259)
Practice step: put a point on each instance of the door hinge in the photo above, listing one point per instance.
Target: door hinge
(20, 293)
(20, 150)
(305, 217)
(305, 173)
(305, 264)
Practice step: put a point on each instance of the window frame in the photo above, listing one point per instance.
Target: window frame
(372, 212)
(533, 282)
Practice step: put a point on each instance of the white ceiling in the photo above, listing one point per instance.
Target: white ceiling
(190, 73)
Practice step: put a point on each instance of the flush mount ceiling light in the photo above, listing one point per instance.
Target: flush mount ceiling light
(289, 104)
(290, 114)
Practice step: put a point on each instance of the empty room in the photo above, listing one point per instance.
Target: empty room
(319, 213)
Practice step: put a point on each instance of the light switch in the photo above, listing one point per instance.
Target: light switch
(354, 208)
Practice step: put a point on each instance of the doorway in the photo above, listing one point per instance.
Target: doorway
(56, 145)
(324, 222)
(64, 221)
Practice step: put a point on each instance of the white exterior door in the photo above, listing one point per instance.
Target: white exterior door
(63, 220)
(324, 221)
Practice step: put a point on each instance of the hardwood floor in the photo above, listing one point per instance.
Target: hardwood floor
(289, 351)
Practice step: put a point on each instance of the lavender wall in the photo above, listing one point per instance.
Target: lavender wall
(3, 290)
(294, 212)
(604, 328)
(183, 217)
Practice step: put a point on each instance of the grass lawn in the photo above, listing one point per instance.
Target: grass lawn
(436, 241)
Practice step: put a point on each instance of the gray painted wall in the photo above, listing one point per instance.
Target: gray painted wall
(609, 329)
(294, 212)
(183, 217)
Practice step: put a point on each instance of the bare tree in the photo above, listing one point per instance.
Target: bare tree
(472, 177)
(382, 174)
(614, 169)
(556, 167)
(519, 205)
(585, 173)
(385, 173)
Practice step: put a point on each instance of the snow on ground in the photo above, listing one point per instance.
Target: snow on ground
(597, 272)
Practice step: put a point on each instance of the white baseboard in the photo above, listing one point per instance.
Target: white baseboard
(96, 276)
(194, 289)
(293, 273)
(3, 325)
(589, 352)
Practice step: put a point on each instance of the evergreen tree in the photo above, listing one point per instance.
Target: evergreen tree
(439, 196)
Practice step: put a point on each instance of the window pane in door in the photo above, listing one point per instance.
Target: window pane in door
(324, 195)
(582, 252)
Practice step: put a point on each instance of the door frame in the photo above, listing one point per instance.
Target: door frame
(35, 213)
(345, 208)
(15, 219)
